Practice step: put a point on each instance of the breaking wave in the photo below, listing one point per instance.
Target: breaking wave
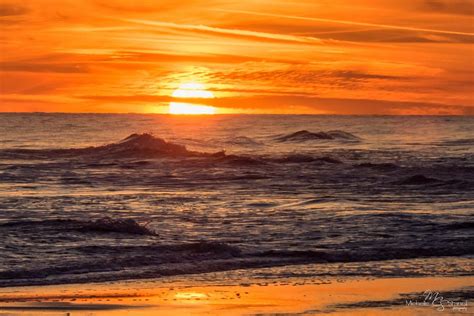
(143, 146)
(156, 260)
(134, 146)
(94, 252)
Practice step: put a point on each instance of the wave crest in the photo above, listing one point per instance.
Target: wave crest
(134, 146)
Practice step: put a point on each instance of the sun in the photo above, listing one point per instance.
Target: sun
(195, 91)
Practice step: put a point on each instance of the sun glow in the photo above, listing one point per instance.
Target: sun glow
(195, 91)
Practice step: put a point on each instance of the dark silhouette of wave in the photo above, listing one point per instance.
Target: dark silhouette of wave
(240, 160)
(459, 142)
(101, 225)
(155, 260)
(418, 179)
(422, 181)
(143, 146)
(134, 146)
(304, 135)
(378, 166)
(460, 226)
(243, 141)
(301, 158)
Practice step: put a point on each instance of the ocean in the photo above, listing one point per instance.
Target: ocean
(104, 197)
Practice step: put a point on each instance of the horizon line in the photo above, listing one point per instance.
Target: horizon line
(227, 114)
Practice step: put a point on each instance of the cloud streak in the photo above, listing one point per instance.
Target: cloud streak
(236, 32)
(43, 67)
(304, 104)
(11, 9)
(347, 22)
(460, 7)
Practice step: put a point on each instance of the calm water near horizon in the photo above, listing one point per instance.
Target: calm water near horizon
(82, 201)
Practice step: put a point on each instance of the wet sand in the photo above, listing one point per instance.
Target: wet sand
(348, 296)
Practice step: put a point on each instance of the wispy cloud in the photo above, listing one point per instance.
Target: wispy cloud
(43, 67)
(303, 104)
(461, 7)
(236, 32)
(12, 9)
(347, 22)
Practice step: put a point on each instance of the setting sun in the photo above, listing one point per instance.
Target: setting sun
(191, 90)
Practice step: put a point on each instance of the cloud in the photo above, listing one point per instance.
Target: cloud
(303, 104)
(348, 106)
(142, 6)
(303, 76)
(359, 75)
(231, 32)
(134, 98)
(43, 67)
(394, 36)
(154, 57)
(461, 7)
(11, 9)
(349, 22)
(345, 33)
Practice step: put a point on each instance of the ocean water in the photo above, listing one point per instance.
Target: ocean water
(89, 197)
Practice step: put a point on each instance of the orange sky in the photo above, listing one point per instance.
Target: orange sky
(270, 56)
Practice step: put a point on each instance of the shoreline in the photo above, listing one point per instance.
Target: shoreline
(299, 296)
(318, 272)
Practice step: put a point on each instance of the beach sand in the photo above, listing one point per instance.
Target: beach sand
(346, 296)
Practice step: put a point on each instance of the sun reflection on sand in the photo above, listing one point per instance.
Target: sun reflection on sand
(288, 296)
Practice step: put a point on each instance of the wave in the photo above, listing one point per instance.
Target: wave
(142, 255)
(418, 179)
(139, 145)
(459, 142)
(366, 255)
(144, 146)
(422, 180)
(124, 226)
(301, 158)
(200, 247)
(101, 225)
(239, 160)
(243, 141)
(100, 263)
(134, 146)
(242, 160)
(460, 226)
(304, 135)
(378, 166)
